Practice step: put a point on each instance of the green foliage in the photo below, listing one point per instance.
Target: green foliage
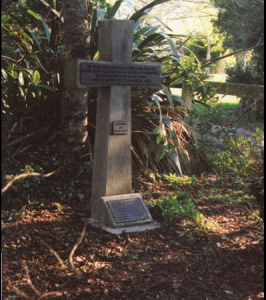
(247, 75)
(203, 41)
(243, 26)
(70, 182)
(180, 181)
(237, 153)
(165, 140)
(194, 76)
(179, 207)
(241, 158)
(30, 74)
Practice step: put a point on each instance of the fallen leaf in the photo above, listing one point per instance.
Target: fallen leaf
(177, 285)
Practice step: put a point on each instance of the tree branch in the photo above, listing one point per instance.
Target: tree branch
(208, 62)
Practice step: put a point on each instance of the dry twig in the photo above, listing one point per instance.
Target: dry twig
(39, 295)
(55, 254)
(24, 175)
(30, 282)
(75, 248)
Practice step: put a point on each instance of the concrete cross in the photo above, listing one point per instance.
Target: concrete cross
(113, 74)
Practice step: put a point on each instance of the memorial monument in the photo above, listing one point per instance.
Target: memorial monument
(113, 206)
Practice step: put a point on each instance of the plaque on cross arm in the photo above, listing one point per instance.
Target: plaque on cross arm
(133, 74)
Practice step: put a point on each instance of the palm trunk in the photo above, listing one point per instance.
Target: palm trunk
(74, 106)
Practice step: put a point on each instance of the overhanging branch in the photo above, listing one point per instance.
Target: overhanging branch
(208, 62)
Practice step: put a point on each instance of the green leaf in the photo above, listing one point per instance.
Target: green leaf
(115, 8)
(25, 43)
(229, 292)
(52, 9)
(14, 74)
(47, 87)
(4, 18)
(177, 162)
(45, 3)
(57, 14)
(36, 77)
(143, 33)
(171, 43)
(36, 40)
(169, 96)
(27, 37)
(21, 91)
(136, 16)
(47, 32)
(169, 123)
(35, 15)
(153, 39)
(159, 20)
(159, 155)
(157, 101)
(21, 79)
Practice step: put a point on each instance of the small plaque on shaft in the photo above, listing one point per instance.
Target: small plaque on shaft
(120, 127)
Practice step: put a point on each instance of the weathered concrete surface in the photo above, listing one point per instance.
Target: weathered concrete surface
(112, 172)
(126, 229)
(113, 207)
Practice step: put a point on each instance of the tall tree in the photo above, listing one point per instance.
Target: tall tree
(243, 23)
(74, 106)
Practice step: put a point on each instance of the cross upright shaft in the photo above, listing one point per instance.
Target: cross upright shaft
(112, 171)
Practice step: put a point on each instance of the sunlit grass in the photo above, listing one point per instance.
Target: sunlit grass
(227, 102)
(217, 77)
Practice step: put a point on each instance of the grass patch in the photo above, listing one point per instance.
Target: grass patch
(217, 77)
(227, 103)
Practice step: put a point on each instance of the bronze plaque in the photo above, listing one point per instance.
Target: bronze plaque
(127, 210)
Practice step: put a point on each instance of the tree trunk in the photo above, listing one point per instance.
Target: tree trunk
(241, 59)
(208, 56)
(74, 106)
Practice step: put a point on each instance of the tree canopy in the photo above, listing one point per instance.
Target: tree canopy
(243, 24)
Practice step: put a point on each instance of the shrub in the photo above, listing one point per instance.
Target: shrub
(179, 207)
(241, 158)
(247, 75)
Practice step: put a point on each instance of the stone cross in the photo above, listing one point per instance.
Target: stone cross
(114, 74)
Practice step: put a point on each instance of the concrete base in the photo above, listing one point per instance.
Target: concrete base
(128, 229)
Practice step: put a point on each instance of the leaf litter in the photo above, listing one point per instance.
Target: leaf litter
(219, 260)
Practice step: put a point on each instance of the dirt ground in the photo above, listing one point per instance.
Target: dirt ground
(221, 260)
